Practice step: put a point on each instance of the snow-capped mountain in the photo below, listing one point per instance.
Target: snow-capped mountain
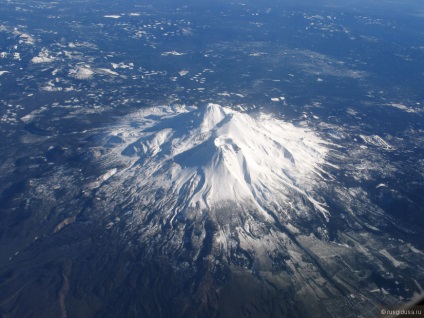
(200, 158)
(219, 198)
(200, 210)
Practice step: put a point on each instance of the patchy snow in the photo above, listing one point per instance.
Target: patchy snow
(183, 72)
(122, 65)
(27, 39)
(81, 72)
(413, 249)
(106, 71)
(403, 107)
(377, 141)
(27, 118)
(102, 179)
(172, 53)
(43, 57)
(108, 174)
(394, 261)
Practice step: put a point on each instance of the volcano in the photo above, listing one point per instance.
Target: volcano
(199, 158)
(217, 200)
